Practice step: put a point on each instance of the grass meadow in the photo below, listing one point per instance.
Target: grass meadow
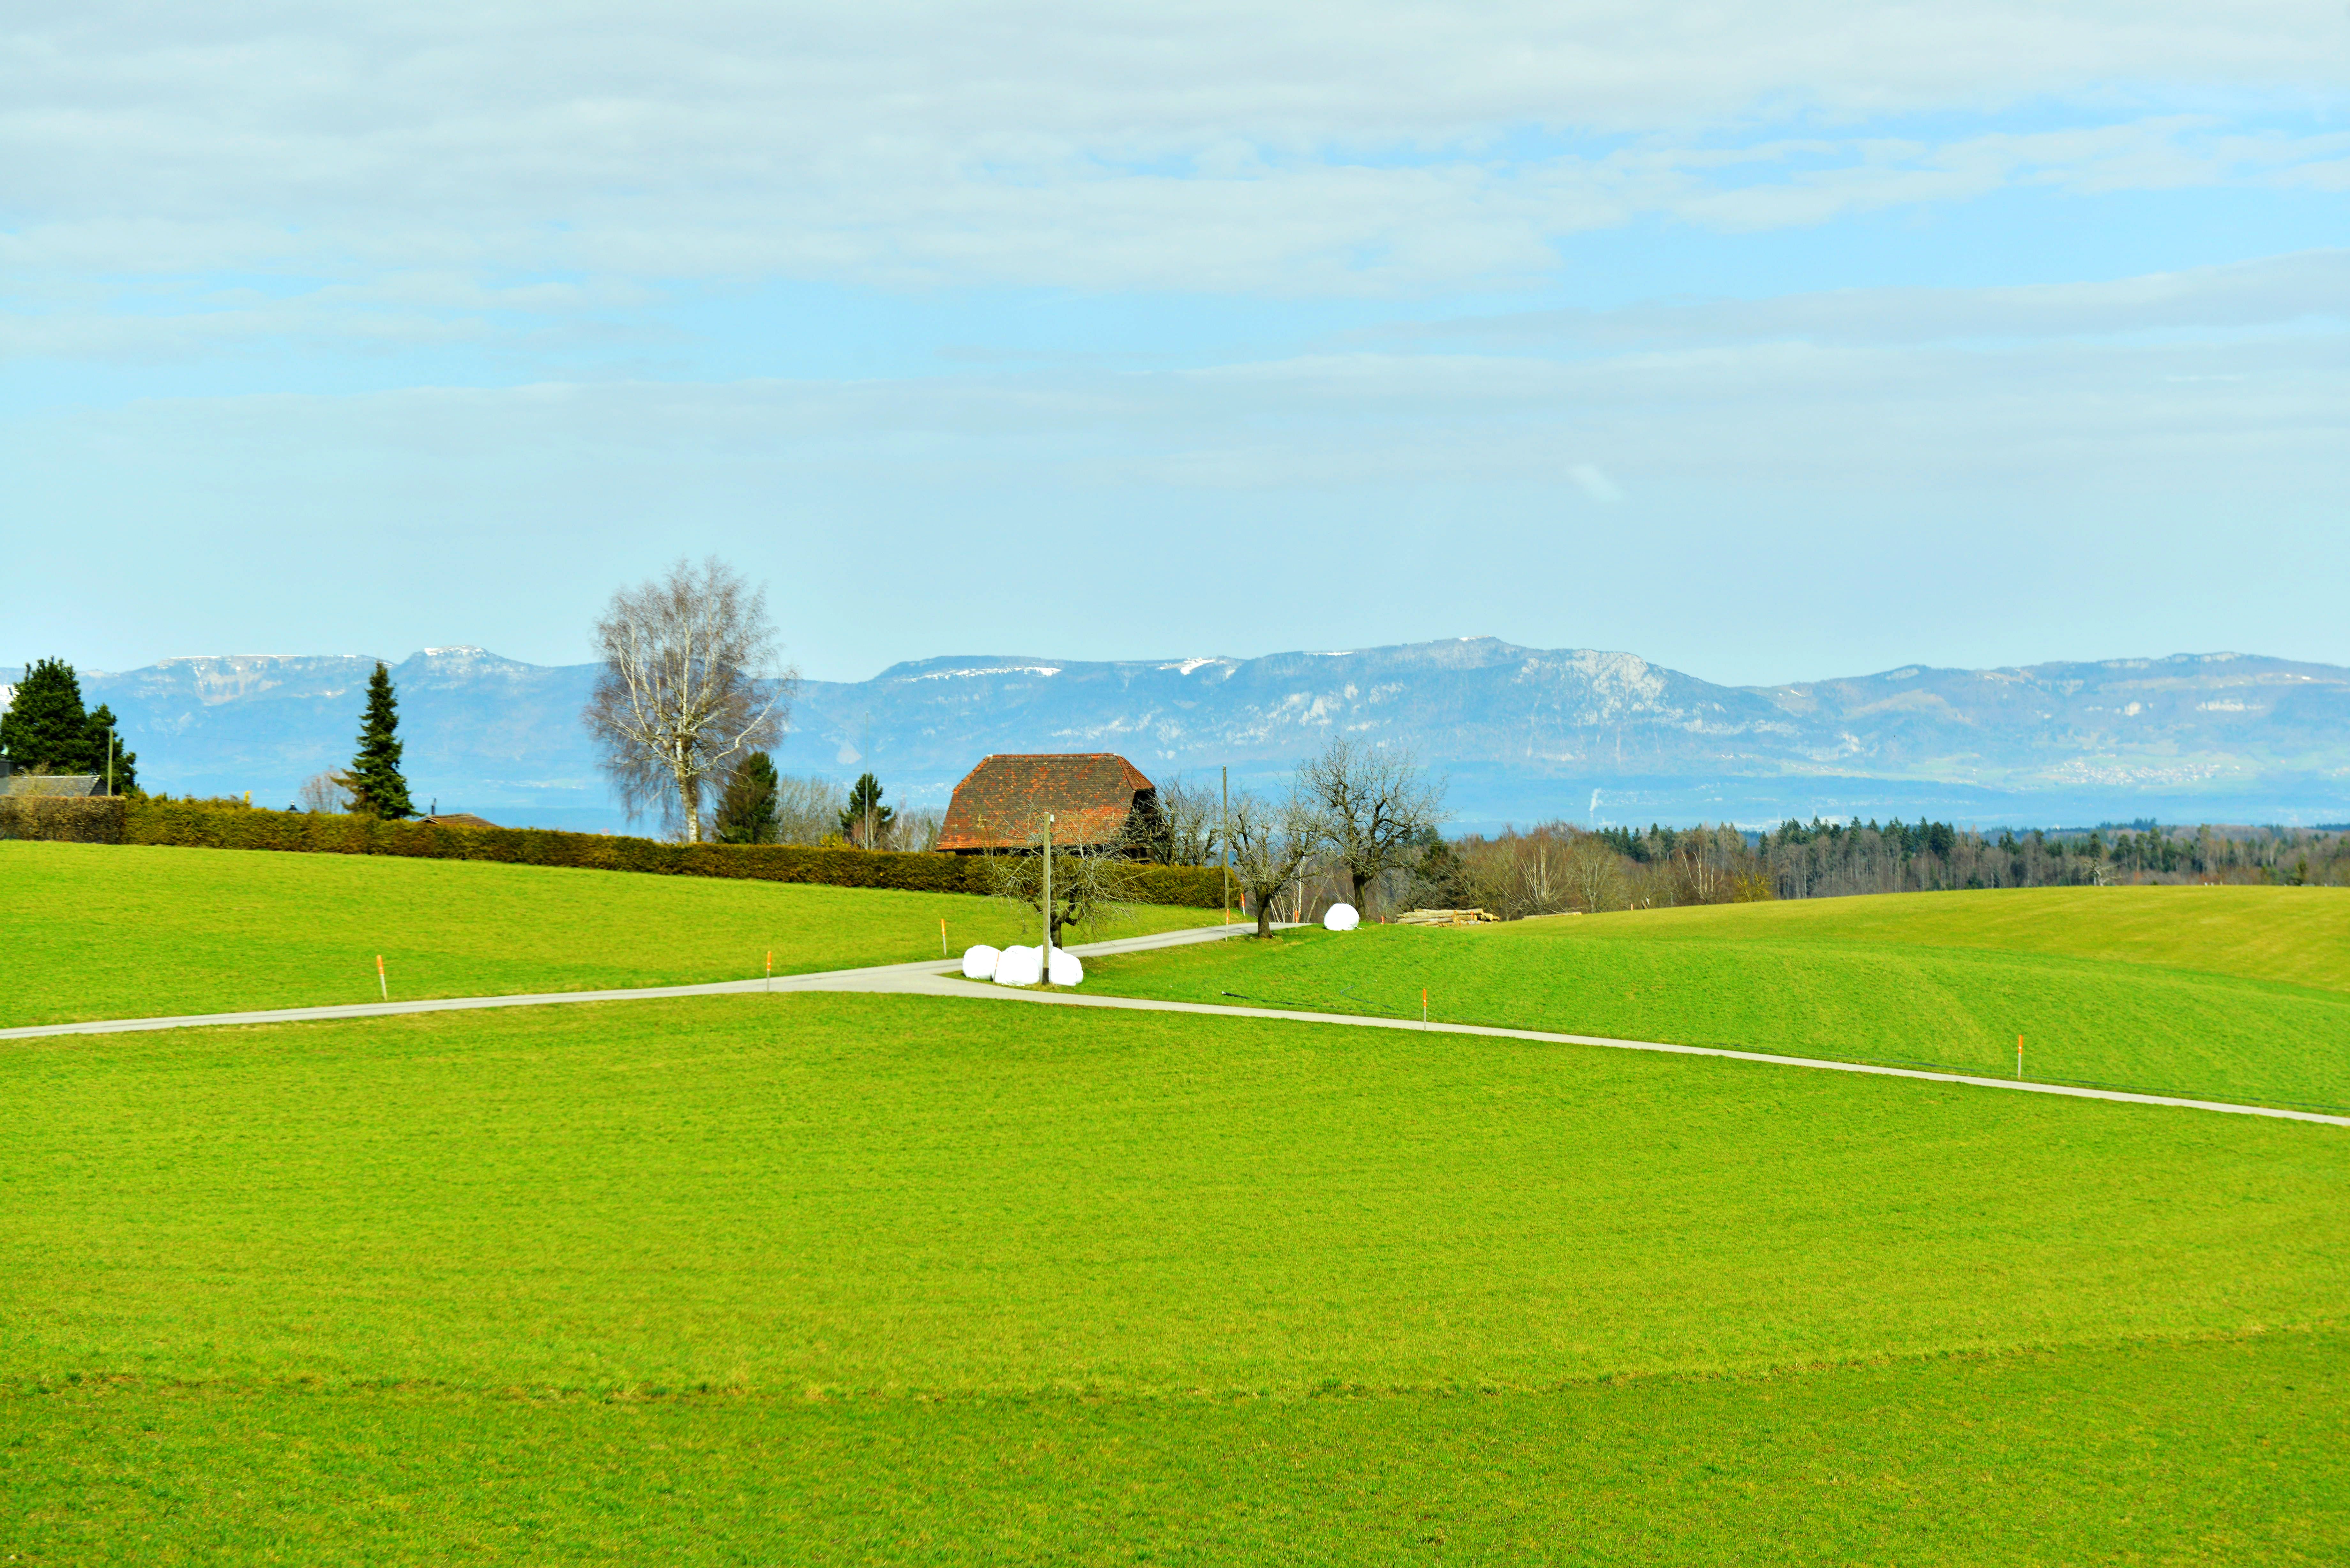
(917, 1279)
(2234, 993)
(127, 932)
(760, 1279)
(2223, 1451)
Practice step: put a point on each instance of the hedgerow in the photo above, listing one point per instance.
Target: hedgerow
(225, 825)
(65, 819)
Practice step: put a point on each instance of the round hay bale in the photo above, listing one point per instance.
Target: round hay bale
(1020, 966)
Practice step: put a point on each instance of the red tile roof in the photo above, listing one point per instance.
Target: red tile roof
(1002, 803)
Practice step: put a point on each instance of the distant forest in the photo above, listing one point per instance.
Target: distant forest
(1822, 860)
(1560, 867)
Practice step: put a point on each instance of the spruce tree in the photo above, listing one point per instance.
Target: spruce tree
(94, 750)
(45, 729)
(865, 821)
(746, 811)
(375, 781)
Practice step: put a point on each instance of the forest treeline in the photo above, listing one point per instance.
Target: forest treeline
(1560, 867)
(1822, 860)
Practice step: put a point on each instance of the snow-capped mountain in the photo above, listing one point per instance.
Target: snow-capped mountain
(1522, 733)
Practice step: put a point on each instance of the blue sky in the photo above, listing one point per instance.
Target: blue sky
(1769, 343)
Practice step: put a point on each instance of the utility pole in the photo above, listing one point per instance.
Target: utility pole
(868, 760)
(109, 759)
(1048, 976)
(1224, 842)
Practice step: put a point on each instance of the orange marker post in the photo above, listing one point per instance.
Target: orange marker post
(942, 941)
(381, 983)
(2019, 1055)
(1423, 1007)
(771, 968)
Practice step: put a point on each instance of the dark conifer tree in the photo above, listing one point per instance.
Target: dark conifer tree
(94, 750)
(375, 781)
(865, 821)
(1441, 879)
(746, 811)
(45, 729)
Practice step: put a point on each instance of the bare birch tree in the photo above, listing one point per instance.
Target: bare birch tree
(687, 686)
(1271, 842)
(1377, 805)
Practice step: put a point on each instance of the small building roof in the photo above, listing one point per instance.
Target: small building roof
(1002, 803)
(49, 783)
(458, 819)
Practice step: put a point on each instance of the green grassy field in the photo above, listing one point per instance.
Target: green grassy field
(2224, 1452)
(2235, 993)
(755, 1279)
(109, 931)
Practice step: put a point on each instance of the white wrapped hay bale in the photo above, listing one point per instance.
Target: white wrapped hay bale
(1066, 969)
(1341, 918)
(1020, 966)
(978, 962)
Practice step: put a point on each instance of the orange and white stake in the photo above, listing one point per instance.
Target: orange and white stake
(942, 941)
(771, 968)
(2019, 1055)
(382, 984)
(1423, 1007)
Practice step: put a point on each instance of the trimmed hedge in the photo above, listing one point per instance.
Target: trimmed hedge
(207, 825)
(62, 819)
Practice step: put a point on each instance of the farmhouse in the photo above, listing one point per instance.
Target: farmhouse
(1096, 798)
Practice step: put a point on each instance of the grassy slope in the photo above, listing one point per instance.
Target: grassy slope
(2297, 934)
(2238, 994)
(98, 931)
(266, 1290)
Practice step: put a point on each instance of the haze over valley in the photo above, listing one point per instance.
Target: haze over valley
(1523, 734)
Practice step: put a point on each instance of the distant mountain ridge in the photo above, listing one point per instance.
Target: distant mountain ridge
(1523, 733)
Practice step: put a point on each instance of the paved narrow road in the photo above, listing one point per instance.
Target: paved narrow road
(939, 978)
(881, 977)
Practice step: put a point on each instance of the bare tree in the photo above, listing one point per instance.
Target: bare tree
(1377, 805)
(917, 830)
(806, 805)
(1092, 884)
(1271, 842)
(1595, 875)
(1188, 814)
(325, 792)
(1520, 875)
(685, 689)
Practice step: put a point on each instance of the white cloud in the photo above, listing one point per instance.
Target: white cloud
(2304, 291)
(2245, 413)
(1294, 150)
(1592, 482)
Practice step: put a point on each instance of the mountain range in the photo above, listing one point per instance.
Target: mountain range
(1521, 734)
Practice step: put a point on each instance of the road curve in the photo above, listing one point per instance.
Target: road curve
(881, 977)
(933, 977)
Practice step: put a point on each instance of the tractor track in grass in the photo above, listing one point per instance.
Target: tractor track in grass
(940, 978)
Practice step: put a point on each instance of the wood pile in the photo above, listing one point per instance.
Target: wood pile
(1444, 917)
